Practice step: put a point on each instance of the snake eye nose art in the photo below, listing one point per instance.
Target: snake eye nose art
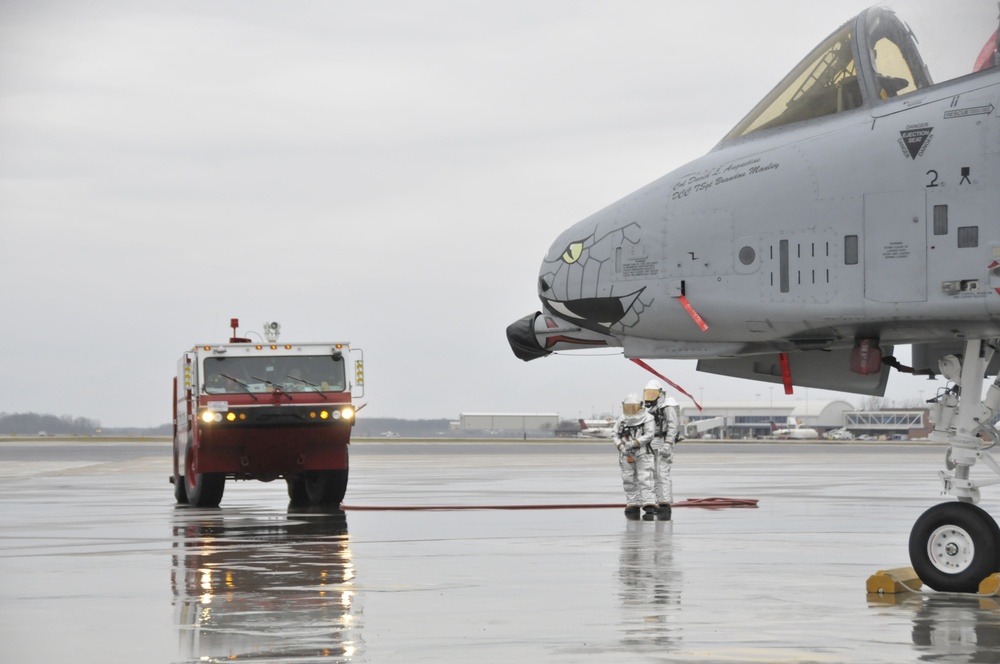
(573, 253)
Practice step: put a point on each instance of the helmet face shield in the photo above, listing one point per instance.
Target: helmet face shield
(631, 405)
(650, 395)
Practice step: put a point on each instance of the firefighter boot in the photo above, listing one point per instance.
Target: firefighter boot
(632, 512)
(649, 512)
(664, 513)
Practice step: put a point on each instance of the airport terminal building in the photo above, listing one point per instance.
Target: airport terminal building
(741, 420)
(754, 419)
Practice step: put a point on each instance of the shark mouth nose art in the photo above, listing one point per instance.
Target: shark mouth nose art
(595, 313)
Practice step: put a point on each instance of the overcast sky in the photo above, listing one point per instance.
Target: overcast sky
(387, 173)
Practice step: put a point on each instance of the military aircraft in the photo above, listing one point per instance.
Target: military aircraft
(854, 209)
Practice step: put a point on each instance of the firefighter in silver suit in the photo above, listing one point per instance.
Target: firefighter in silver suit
(664, 410)
(633, 436)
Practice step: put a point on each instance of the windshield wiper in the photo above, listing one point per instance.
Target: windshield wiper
(276, 387)
(312, 385)
(241, 384)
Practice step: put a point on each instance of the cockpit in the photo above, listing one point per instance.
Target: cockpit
(887, 51)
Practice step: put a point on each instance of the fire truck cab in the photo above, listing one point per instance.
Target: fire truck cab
(245, 410)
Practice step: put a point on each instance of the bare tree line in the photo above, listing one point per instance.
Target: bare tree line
(35, 423)
(881, 403)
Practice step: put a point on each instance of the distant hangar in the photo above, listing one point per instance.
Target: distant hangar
(518, 423)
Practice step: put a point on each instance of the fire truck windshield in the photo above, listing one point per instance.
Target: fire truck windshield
(290, 373)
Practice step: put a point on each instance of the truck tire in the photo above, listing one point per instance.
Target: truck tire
(180, 491)
(326, 487)
(297, 494)
(202, 489)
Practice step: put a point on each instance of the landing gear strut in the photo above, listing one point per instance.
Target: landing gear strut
(954, 546)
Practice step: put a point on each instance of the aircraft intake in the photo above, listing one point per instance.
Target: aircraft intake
(522, 339)
(540, 334)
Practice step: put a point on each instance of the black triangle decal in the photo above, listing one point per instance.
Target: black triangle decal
(914, 139)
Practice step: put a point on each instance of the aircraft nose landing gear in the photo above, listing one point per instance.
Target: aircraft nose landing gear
(954, 546)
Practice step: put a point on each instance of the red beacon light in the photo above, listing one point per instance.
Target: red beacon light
(235, 323)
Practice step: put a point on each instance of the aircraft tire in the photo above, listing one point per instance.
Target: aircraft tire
(203, 489)
(326, 487)
(954, 546)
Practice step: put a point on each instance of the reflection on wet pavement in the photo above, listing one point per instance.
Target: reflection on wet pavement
(247, 588)
(650, 588)
(947, 628)
(98, 565)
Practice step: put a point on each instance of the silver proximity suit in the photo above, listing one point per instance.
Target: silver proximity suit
(664, 412)
(633, 436)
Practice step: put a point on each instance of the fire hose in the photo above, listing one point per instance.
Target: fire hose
(705, 503)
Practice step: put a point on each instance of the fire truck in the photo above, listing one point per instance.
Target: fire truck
(247, 410)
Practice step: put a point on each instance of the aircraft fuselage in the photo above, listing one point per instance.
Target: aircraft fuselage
(877, 223)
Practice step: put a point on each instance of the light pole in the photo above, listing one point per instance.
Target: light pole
(807, 404)
(770, 412)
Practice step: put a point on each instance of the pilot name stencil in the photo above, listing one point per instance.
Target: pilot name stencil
(695, 183)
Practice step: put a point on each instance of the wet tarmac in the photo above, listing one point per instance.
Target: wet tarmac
(98, 565)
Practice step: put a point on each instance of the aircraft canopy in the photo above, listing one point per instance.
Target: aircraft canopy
(889, 50)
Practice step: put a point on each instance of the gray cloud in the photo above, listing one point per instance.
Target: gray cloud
(389, 173)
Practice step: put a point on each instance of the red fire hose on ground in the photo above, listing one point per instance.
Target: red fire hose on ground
(706, 503)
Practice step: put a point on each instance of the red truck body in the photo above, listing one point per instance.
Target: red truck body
(264, 411)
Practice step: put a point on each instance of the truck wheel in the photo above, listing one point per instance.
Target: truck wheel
(180, 491)
(326, 487)
(297, 493)
(203, 489)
